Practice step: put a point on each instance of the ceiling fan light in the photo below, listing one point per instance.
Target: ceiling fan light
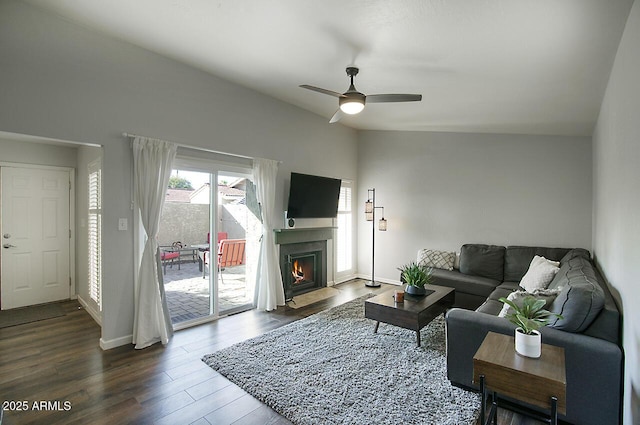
(352, 106)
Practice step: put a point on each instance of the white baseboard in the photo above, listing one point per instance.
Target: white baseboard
(380, 279)
(343, 279)
(117, 342)
(89, 308)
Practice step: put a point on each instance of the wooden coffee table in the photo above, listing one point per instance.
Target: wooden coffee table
(414, 313)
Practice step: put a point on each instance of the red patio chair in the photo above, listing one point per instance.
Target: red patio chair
(231, 252)
(168, 256)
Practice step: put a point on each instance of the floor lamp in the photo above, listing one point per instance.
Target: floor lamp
(370, 213)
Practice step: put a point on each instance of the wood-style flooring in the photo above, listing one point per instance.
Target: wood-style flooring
(54, 372)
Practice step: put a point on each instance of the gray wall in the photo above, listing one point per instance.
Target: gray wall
(62, 81)
(13, 149)
(616, 207)
(441, 190)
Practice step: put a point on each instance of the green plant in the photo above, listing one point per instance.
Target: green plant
(530, 316)
(176, 182)
(414, 274)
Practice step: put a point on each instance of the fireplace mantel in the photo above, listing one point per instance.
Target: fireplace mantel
(309, 234)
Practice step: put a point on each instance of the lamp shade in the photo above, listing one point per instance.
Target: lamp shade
(352, 102)
(382, 225)
(368, 206)
(352, 107)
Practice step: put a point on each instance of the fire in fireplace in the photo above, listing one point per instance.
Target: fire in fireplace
(303, 267)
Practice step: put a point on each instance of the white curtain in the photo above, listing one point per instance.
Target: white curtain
(152, 161)
(270, 292)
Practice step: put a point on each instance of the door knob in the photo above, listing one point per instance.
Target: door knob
(8, 245)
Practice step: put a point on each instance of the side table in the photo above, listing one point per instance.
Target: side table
(539, 382)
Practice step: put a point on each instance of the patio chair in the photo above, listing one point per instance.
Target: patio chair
(221, 236)
(169, 254)
(231, 252)
(202, 255)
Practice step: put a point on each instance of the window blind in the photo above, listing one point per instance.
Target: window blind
(344, 248)
(95, 232)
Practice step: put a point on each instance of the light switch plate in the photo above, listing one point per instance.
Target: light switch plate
(122, 224)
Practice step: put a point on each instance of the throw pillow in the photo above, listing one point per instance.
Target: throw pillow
(436, 259)
(456, 262)
(548, 295)
(541, 272)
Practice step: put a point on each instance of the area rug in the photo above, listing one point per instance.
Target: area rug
(20, 316)
(330, 368)
(311, 297)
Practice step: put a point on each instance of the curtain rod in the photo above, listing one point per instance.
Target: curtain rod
(131, 135)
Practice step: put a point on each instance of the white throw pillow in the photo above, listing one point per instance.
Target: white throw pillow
(436, 259)
(540, 274)
(548, 295)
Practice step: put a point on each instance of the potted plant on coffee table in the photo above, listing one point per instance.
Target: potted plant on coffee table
(528, 316)
(416, 276)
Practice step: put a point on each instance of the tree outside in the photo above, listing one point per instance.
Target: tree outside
(176, 182)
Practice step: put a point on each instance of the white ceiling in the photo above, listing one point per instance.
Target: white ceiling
(501, 66)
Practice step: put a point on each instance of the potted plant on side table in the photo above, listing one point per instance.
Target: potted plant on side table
(528, 316)
(416, 276)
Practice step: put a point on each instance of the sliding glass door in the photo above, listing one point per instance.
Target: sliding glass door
(209, 238)
(238, 242)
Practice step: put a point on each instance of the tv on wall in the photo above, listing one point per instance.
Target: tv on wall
(313, 196)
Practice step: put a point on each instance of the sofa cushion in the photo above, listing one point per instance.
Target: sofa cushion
(491, 307)
(436, 259)
(504, 290)
(474, 285)
(482, 260)
(580, 299)
(541, 272)
(518, 258)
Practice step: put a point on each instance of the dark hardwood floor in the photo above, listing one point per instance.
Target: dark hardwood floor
(56, 373)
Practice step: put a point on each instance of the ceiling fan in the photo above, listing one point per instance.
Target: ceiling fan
(352, 101)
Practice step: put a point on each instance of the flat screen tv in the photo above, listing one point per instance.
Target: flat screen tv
(313, 196)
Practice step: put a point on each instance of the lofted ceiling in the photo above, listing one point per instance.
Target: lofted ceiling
(499, 66)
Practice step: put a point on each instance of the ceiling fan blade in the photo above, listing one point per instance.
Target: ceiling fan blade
(380, 98)
(337, 116)
(321, 90)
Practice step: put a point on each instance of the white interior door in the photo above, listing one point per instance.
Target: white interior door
(35, 236)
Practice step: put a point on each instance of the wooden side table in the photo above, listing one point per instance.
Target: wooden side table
(539, 382)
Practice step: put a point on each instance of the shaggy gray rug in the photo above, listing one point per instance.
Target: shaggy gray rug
(330, 368)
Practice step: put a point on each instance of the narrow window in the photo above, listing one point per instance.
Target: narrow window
(95, 232)
(344, 247)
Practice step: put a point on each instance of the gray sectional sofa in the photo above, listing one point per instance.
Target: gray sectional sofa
(590, 330)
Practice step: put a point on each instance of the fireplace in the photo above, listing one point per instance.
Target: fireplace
(303, 267)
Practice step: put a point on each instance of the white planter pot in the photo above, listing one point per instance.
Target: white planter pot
(528, 345)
